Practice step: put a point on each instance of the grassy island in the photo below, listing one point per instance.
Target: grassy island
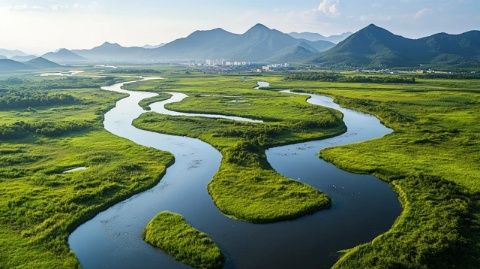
(145, 103)
(173, 234)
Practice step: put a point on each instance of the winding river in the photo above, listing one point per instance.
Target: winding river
(363, 206)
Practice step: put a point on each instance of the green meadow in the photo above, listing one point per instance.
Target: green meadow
(173, 234)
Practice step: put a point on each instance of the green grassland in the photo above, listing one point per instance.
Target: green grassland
(433, 161)
(39, 203)
(246, 187)
(173, 234)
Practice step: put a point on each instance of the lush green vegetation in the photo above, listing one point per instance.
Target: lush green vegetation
(172, 233)
(454, 75)
(432, 159)
(339, 77)
(54, 83)
(49, 106)
(16, 99)
(246, 187)
(40, 204)
(433, 231)
(145, 103)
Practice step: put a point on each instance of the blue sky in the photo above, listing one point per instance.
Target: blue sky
(42, 25)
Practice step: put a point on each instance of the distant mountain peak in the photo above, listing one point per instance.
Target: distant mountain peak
(258, 28)
(41, 62)
(110, 45)
(62, 55)
(372, 28)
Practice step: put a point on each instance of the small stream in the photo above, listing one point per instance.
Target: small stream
(363, 206)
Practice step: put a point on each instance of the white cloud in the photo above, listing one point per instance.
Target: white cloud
(25, 7)
(329, 7)
(52, 6)
(422, 13)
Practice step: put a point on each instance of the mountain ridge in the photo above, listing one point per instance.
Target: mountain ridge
(63, 56)
(377, 47)
(257, 44)
(372, 46)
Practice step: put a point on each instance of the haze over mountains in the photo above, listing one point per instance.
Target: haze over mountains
(64, 56)
(316, 36)
(372, 47)
(258, 44)
(36, 63)
(11, 53)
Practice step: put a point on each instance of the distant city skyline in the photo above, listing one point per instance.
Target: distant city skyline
(38, 26)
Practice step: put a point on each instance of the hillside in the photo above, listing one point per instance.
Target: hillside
(199, 45)
(64, 56)
(113, 52)
(258, 44)
(24, 58)
(7, 65)
(40, 63)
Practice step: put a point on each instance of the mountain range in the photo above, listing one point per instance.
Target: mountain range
(258, 44)
(372, 47)
(64, 56)
(11, 53)
(376, 47)
(36, 63)
(316, 36)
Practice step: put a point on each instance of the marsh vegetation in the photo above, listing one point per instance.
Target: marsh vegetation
(173, 234)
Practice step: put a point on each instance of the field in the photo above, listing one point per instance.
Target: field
(172, 233)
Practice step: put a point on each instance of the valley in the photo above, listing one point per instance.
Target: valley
(338, 134)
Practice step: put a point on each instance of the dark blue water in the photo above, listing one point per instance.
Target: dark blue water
(363, 206)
